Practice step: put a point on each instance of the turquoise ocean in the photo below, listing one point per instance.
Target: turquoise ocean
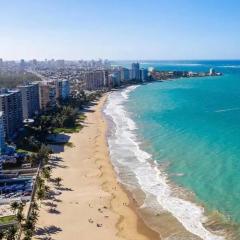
(190, 129)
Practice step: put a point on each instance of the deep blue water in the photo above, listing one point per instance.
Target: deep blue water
(193, 124)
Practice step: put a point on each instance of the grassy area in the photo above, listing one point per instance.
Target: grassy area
(68, 130)
(7, 219)
(19, 150)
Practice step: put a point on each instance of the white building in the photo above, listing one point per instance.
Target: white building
(30, 100)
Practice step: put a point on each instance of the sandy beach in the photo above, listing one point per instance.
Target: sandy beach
(91, 204)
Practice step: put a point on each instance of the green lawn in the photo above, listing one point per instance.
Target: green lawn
(19, 150)
(68, 130)
(7, 219)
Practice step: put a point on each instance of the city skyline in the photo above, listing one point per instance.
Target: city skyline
(119, 30)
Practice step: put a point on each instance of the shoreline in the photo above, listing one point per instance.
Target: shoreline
(157, 216)
(91, 204)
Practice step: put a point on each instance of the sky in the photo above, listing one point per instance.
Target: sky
(120, 29)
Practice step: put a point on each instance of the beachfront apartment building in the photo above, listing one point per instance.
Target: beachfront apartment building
(11, 106)
(144, 75)
(114, 79)
(135, 71)
(30, 100)
(47, 94)
(62, 89)
(95, 80)
(125, 74)
(2, 134)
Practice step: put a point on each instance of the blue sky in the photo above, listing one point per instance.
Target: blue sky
(120, 29)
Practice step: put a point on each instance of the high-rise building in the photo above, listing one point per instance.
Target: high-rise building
(11, 106)
(47, 95)
(144, 74)
(114, 80)
(2, 134)
(136, 71)
(95, 80)
(117, 78)
(125, 74)
(30, 100)
(62, 89)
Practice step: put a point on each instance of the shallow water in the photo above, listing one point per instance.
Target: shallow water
(192, 127)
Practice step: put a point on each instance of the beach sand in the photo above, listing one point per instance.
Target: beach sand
(90, 204)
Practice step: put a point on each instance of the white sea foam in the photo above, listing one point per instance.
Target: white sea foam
(188, 64)
(230, 66)
(227, 110)
(172, 64)
(125, 151)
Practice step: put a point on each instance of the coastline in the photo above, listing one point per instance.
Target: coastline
(171, 216)
(91, 204)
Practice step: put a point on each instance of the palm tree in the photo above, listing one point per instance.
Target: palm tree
(34, 216)
(47, 190)
(20, 207)
(14, 206)
(2, 234)
(35, 206)
(20, 218)
(41, 194)
(29, 225)
(58, 181)
(28, 233)
(43, 154)
(46, 172)
(11, 233)
(40, 182)
(33, 159)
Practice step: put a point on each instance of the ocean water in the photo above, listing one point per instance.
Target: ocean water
(183, 133)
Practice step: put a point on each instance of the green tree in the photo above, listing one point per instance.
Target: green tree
(40, 182)
(14, 206)
(41, 194)
(35, 206)
(2, 234)
(58, 181)
(46, 172)
(44, 154)
(11, 233)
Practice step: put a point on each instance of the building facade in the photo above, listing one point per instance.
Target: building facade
(11, 106)
(125, 75)
(30, 100)
(62, 89)
(2, 134)
(135, 71)
(48, 95)
(144, 75)
(95, 80)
